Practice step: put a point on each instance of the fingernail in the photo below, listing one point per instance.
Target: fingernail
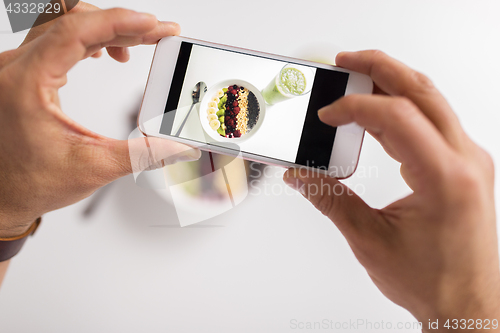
(173, 25)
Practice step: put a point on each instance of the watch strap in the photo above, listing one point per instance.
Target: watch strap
(11, 246)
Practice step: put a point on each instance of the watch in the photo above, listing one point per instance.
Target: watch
(11, 246)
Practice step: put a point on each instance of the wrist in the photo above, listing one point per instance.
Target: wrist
(10, 246)
(12, 226)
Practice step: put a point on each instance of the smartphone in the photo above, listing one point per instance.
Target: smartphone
(259, 106)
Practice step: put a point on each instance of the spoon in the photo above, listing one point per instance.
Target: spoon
(198, 92)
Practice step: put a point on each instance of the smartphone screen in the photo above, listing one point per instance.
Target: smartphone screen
(266, 107)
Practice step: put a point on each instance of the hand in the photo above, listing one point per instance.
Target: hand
(120, 54)
(434, 252)
(47, 161)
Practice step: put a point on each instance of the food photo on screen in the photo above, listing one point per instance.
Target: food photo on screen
(255, 102)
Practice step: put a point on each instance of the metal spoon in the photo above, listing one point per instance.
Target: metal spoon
(198, 92)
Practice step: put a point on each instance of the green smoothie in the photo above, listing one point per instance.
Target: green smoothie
(289, 83)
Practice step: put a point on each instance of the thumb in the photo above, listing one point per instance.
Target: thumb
(141, 154)
(335, 200)
(153, 153)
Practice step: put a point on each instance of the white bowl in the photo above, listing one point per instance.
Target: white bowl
(212, 92)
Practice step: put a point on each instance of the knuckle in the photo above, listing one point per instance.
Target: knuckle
(377, 54)
(402, 104)
(378, 59)
(65, 31)
(464, 181)
(118, 12)
(326, 199)
(486, 163)
(401, 108)
(421, 81)
(325, 204)
(66, 24)
(468, 179)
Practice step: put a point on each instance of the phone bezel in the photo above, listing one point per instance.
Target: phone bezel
(348, 140)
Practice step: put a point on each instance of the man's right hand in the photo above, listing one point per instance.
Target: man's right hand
(434, 252)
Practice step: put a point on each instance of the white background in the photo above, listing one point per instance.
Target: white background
(279, 134)
(273, 258)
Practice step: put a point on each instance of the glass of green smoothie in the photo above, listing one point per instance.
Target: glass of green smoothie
(292, 81)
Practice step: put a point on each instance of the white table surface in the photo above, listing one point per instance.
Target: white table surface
(274, 258)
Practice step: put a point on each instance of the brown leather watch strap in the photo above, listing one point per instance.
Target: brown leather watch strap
(11, 246)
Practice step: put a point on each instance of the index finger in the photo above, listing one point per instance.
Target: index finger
(397, 79)
(39, 30)
(396, 123)
(75, 37)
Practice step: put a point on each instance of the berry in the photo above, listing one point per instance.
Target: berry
(235, 103)
(226, 118)
(237, 109)
(235, 87)
(237, 133)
